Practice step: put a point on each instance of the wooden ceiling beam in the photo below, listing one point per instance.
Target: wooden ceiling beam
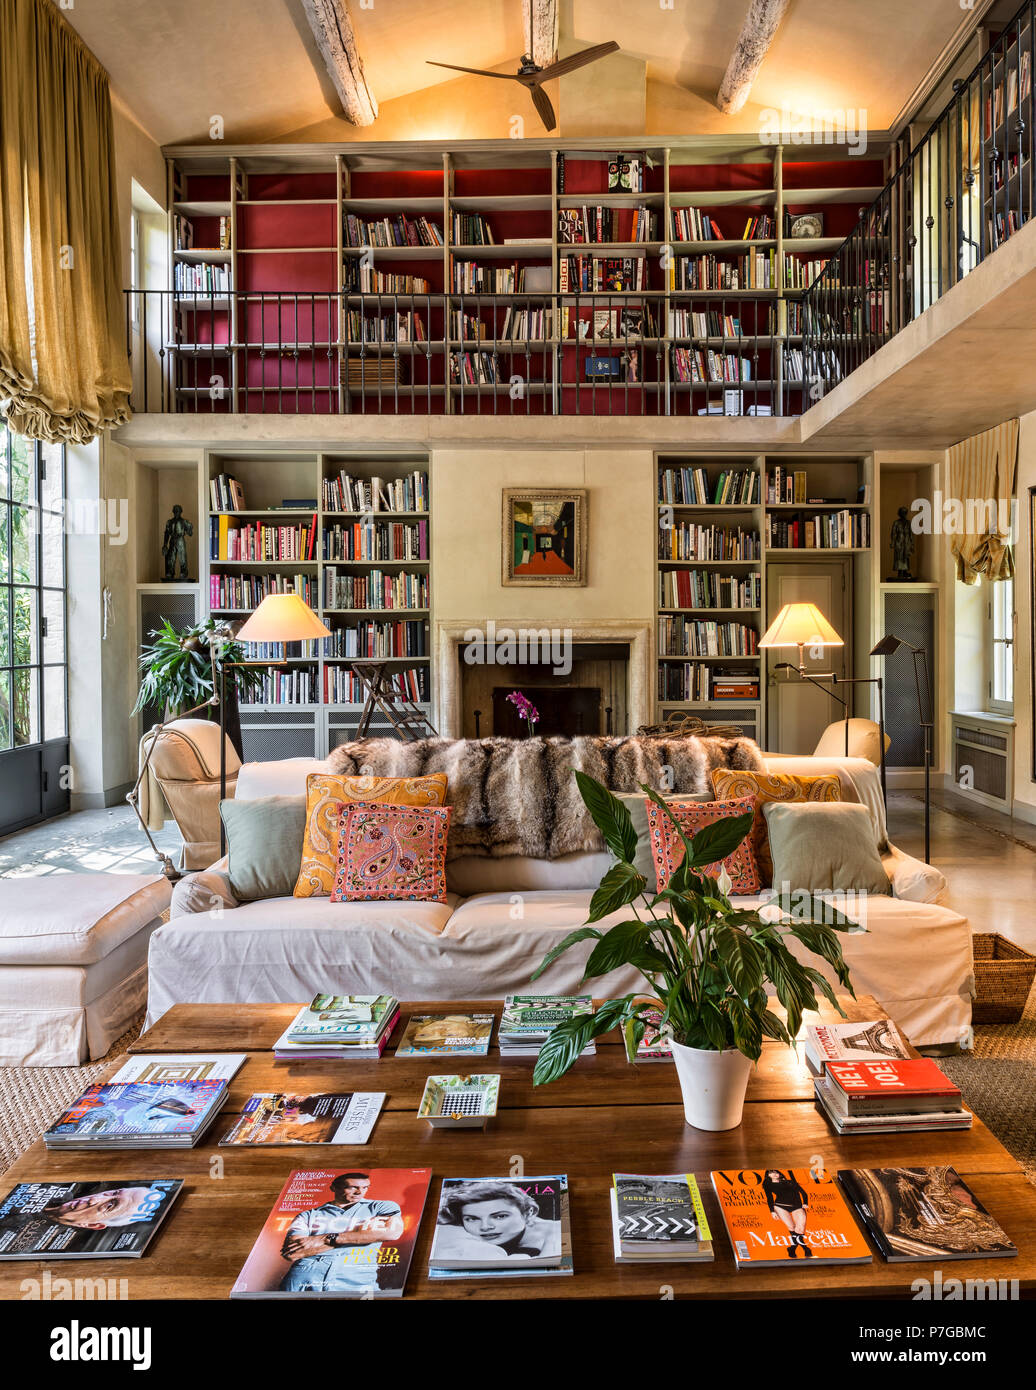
(540, 30)
(333, 31)
(753, 43)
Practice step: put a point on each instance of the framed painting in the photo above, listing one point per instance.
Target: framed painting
(544, 537)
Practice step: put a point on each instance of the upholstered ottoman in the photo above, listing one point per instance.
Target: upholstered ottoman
(73, 963)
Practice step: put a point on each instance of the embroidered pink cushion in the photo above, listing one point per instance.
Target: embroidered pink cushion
(667, 847)
(387, 852)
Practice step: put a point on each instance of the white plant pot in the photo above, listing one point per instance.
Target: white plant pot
(713, 1085)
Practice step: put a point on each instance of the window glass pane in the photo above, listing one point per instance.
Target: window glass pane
(52, 487)
(26, 707)
(53, 558)
(26, 628)
(5, 626)
(5, 519)
(23, 469)
(5, 490)
(54, 614)
(23, 544)
(55, 724)
(5, 709)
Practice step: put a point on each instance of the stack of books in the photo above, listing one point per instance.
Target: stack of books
(851, 1042)
(659, 1219)
(528, 1020)
(339, 1026)
(889, 1096)
(152, 1102)
(497, 1228)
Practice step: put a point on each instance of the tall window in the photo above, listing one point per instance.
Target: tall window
(1001, 630)
(33, 676)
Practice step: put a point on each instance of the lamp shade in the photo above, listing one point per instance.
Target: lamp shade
(800, 625)
(282, 618)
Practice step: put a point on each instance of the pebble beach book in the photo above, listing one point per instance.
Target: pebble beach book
(84, 1220)
(658, 1218)
(776, 1216)
(338, 1233)
(924, 1214)
(327, 1117)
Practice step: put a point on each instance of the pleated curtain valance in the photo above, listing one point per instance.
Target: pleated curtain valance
(982, 481)
(64, 372)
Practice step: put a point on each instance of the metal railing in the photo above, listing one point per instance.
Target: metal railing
(485, 354)
(961, 192)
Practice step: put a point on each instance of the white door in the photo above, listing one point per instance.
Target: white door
(798, 713)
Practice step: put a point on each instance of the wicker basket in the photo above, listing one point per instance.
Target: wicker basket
(1003, 978)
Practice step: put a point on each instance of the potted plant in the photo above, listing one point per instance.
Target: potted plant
(707, 961)
(177, 669)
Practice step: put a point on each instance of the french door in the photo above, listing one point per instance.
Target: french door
(34, 772)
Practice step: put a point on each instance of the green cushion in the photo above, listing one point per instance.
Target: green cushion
(636, 804)
(824, 846)
(264, 839)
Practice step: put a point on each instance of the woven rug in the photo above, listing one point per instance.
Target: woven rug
(31, 1098)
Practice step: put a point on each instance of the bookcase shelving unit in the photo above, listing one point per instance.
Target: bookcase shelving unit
(312, 320)
(735, 591)
(312, 721)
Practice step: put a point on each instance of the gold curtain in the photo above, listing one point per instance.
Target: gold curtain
(64, 373)
(982, 481)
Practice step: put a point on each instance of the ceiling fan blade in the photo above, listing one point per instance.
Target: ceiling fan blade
(545, 111)
(478, 72)
(576, 60)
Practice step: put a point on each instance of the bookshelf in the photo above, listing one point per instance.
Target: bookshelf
(720, 530)
(500, 276)
(349, 532)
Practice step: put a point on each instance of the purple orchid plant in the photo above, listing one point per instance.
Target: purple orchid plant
(526, 709)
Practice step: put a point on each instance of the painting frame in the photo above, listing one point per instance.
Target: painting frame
(553, 559)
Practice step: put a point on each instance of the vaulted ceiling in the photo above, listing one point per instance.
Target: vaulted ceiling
(177, 63)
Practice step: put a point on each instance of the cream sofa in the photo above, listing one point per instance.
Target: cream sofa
(502, 916)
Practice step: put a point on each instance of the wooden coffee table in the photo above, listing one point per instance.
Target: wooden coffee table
(605, 1116)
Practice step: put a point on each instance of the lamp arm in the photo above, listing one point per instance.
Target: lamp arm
(169, 869)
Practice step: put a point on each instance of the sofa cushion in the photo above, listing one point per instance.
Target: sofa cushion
(859, 780)
(668, 852)
(75, 919)
(824, 848)
(772, 786)
(471, 873)
(280, 777)
(636, 804)
(391, 853)
(325, 794)
(264, 842)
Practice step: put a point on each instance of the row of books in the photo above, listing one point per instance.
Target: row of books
(400, 327)
(377, 540)
(707, 365)
(376, 589)
(201, 278)
(679, 636)
(689, 541)
(471, 277)
(841, 530)
(693, 682)
(1019, 76)
(732, 487)
(360, 277)
(295, 687)
(346, 493)
(472, 229)
(243, 592)
(474, 368)
(392, 231)
(588, 224)
(343, 687)
(281, 651)
(226, 494)
(799, 274)
(710, 323)
(601, 274)
(260, 540)
(507, 1227)
(709, 589)
(368, 640)
(755, 271)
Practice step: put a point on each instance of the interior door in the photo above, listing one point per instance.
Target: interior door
(798, 713)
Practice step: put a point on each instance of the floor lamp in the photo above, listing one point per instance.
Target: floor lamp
(279, 618)
(891, 643)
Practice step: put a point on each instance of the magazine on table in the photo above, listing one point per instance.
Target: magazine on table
(325, 1117)
(84, 1220)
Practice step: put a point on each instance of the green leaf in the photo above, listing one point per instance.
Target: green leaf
(823, 984)
(616, 946)
(610, 816)
(572, 939)
(620, 886)
(564, 1045)
(773, 1027)
(740, 957)
(714, 843)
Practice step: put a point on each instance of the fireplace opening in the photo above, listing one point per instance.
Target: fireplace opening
(586, 694)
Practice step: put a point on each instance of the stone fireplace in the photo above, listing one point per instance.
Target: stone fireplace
(587, 678)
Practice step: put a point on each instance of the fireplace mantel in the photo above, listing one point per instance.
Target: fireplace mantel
(452, 634)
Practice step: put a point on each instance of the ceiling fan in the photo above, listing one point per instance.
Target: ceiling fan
(533, 77)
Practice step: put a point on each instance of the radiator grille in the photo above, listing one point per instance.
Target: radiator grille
(910, 616)
(155, 608)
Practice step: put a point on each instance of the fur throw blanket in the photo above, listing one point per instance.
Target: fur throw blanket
(518, 796)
